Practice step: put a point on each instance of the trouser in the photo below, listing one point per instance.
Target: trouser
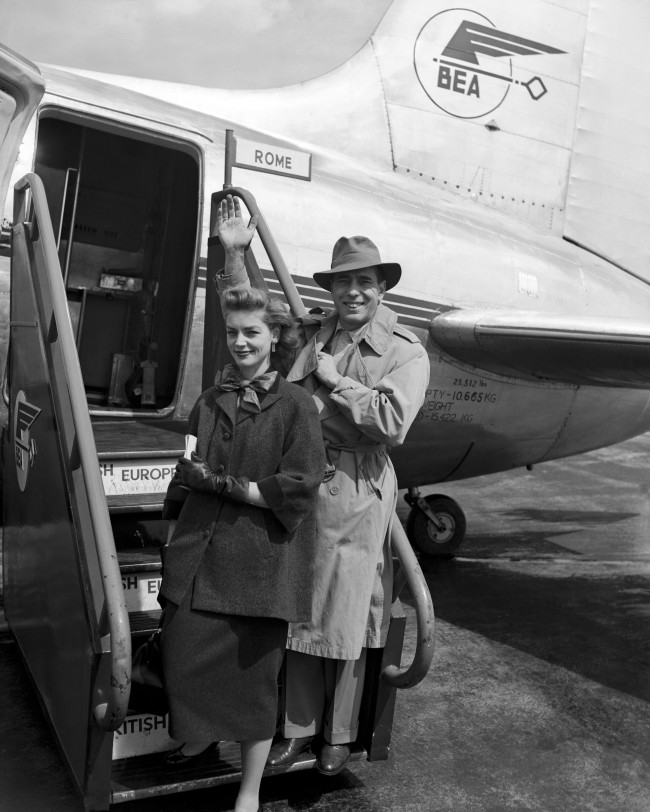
(322, 694)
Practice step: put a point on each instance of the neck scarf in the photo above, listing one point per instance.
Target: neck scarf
(232, 380)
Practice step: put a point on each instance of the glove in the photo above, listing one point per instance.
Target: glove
(196, 474)
(236, 489)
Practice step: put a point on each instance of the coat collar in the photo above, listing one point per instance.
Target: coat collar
(227, 401)
(380, 330)
(319, 332)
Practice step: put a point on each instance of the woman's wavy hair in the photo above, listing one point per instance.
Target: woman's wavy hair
(274, 313)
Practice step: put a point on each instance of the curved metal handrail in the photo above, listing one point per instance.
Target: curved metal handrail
(397, 677)
(417, 670)
(110, 703)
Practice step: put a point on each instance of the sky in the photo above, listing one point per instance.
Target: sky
(216, 43)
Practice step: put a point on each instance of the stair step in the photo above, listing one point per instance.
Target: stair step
(141, 591)
(146, 776)
(136, 502)
(141, 577)
(141, 477)
(144, 438)
(137, 460)
(142, 734)
(139, 560)
(144, 623)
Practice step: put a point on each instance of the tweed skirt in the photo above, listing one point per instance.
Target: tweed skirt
(221, 673)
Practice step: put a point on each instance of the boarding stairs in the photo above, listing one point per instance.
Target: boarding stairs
(82, 532)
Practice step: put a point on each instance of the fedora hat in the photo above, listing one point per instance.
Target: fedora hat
(354, 254)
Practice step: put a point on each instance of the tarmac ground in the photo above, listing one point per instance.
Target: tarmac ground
(539, 693)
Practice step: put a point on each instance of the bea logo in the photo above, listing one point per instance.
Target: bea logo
(464, 63)
(25, 414)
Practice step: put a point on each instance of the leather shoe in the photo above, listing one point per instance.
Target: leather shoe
(177, 758)
(286, 751)
(333, 758)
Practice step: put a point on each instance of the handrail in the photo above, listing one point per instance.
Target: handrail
(110, 702)
(397, 677)
(417, 671)
(270, 246)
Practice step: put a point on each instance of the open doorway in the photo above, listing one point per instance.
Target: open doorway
(125, 213)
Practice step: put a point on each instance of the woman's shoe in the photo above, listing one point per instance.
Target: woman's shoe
(177, 757)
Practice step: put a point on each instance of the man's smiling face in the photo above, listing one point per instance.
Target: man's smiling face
(356, 296)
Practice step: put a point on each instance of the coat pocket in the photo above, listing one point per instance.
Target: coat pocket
(374, 469)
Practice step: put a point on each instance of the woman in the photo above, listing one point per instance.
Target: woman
(237, 567)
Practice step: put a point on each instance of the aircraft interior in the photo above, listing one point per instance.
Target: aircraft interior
(125, 216)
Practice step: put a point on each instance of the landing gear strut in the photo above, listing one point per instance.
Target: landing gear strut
(436, 524)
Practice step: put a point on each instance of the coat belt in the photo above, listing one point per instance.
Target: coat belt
(358, 448)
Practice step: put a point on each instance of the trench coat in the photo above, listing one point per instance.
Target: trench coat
(385, 376)
(237, 558)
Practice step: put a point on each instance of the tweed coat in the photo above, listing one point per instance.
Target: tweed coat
(238, 558)
(385, 374)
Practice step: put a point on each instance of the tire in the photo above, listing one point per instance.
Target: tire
(426, 539)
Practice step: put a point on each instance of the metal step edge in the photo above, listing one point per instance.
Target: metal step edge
(143, 777)
(171, 454)
(144, 623)
(152, 564)
(135, 503)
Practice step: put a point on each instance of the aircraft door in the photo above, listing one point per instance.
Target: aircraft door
(125, 214)
(20, 92)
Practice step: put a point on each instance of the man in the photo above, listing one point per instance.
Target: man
(368, 376)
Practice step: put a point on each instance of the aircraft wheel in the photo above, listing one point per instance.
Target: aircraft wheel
(428, 539)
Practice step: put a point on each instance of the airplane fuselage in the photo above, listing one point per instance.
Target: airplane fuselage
(454, 254)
